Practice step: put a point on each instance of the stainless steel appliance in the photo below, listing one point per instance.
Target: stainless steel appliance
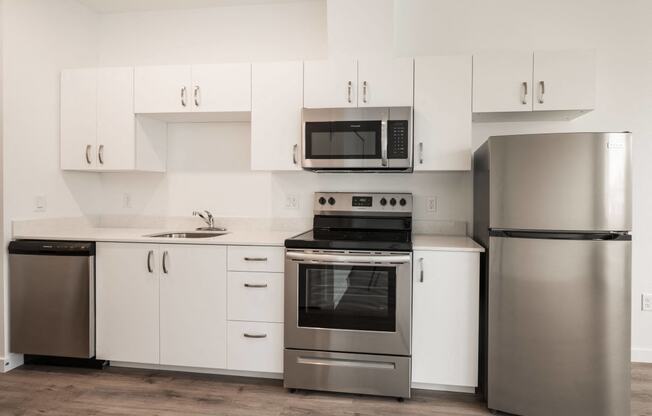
(367, 139)
(554, 212)
(348, 296)
(52, 298)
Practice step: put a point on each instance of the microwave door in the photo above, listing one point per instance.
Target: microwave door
(344, 144)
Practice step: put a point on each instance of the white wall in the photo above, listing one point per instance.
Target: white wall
(40, 37)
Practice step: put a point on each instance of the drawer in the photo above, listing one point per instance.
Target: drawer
(255, 296)
(256, 259)
(255, 346)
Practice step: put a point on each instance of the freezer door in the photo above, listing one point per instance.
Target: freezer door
(570, 181)
(559, 327)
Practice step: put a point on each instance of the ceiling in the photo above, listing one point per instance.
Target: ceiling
(120, 6)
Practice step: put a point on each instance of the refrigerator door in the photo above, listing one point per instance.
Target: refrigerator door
(559, 327)
(569, 181)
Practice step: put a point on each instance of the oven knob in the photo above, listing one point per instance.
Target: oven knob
(392, 201)
(383, 201)
(403, 202)
(331, 200)
(322, 201)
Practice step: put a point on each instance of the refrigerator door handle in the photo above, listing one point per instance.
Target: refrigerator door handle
(564, 235)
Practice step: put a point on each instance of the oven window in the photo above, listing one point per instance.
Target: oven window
(343, 140)
(347, 297)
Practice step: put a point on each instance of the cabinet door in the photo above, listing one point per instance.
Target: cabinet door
(127, 295)
(330, 84)
(385, 82)
(163, 89)
(78, 119)
(564, 80)
(445, 318)
(256, 346)
(116, 147)
(223, 87)
(256, 296)
(193, 305)
(277, 98)
(502, 82)
(442, 113)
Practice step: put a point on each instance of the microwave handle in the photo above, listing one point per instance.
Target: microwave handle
(383, 141)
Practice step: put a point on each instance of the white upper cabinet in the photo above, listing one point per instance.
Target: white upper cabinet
(330, 84)
(564, 80)
(223, 87)
(276, 102)
(78, 119)
(199, 88)
(385, 82)
(442, 113)
(502, 82)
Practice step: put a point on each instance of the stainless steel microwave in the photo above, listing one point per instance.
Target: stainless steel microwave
(361, 139)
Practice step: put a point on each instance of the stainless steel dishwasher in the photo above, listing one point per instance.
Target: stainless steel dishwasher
(52, 298)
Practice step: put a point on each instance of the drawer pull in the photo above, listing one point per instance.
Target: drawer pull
(254, 335)
(251, 285)
(255, 258)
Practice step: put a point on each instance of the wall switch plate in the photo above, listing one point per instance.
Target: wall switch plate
(431, 204)
(126, 200)
(291, 202)
(646, 302)
(40, 203)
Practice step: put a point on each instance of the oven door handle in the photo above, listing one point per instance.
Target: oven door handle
(337, 258)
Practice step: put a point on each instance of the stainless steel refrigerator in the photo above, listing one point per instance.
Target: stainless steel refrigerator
(554, 213)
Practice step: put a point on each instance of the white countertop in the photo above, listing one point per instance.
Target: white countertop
(430, 242)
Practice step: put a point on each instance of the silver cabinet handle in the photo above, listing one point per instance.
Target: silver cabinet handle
(255, 286)
(150, 260)
(421, 153)
(196, 95)
(542, 91)
(88, 154)
(254, 335)
(100, 154)
(349, 90)
(383, 141)
(295, 157)
(166, 256)
(183, 96)
(524, 92)
(255, 259)
(364, 91)
(421, 273)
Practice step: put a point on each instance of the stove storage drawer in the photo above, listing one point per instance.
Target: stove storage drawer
(256, 259)
(255, 346)
(255, 296)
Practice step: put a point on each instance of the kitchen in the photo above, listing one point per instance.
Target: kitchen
(225, 166)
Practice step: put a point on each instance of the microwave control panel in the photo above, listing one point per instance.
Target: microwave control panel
(397, 139)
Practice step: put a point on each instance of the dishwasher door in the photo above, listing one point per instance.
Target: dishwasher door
(52, 298)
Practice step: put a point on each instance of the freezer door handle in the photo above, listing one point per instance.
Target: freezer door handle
(564, 235)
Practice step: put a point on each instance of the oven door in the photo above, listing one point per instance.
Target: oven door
(348, 301)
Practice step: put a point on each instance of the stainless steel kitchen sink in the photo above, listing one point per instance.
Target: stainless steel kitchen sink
(189, 234)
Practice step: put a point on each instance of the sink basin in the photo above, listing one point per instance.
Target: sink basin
(189, 234)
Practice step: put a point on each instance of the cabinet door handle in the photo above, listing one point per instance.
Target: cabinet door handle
(421, 153)
(295, 157)
(255, 258)
(421, 273)
(254, 335)
(364, 92)
(542, 91)
(88, 154)
(255, 286)
(349, 89)
(183, 96)
(196, 95)
(524, 92)
(100, 154)
(166, 256)
(150, 261)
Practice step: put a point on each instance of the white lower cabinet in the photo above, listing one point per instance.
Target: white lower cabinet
(256, 346)
(255, 296)
(446, 296)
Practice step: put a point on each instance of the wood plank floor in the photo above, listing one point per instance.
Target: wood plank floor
(38, 390)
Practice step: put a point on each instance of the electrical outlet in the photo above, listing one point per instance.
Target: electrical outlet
(646, 302)
(431, 204)
(291, 202)
(40, 203)
(126, 200)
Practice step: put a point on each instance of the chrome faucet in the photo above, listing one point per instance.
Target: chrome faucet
(207, 217)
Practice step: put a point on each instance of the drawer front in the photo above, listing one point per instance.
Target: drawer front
(256, 259)
(255, 296)
(255, 346)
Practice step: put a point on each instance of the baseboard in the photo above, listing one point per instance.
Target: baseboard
(641, 355)
(256, 374)
(443, 387)
(9, 363)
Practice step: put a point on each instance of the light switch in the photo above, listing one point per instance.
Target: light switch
(40, 203)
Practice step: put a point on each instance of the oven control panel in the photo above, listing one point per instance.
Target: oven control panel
(380, 203)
